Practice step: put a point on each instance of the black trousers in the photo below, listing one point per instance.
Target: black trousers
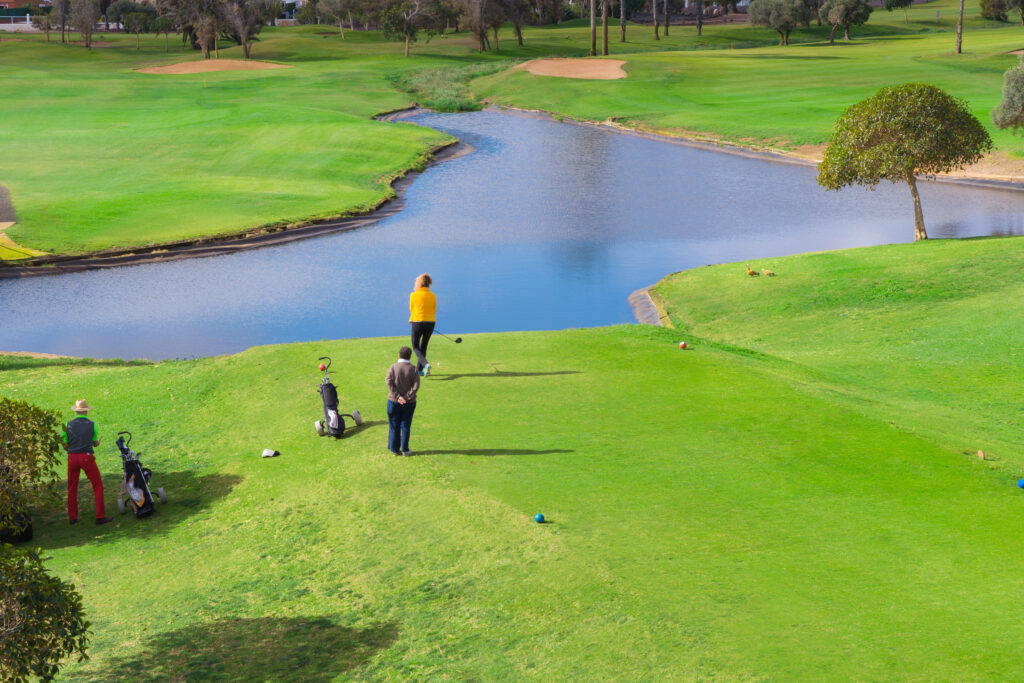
(421, 332)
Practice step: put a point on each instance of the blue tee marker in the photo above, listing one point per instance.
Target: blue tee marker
(539, 518)
(1020, 483)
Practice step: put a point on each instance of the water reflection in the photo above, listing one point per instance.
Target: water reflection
(545, 226)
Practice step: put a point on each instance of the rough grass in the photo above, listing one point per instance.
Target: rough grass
(789, 499)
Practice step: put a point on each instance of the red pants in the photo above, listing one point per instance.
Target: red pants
(76, 463)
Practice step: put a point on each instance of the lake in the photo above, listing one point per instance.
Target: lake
(546, 225)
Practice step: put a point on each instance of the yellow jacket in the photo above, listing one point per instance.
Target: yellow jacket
(422, 306)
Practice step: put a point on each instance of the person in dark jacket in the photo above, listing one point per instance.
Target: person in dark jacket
(80, 437)
(403, 381)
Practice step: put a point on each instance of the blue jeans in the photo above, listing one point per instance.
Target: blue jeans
(399, 424)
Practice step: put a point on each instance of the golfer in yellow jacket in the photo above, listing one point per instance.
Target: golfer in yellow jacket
(422, 315)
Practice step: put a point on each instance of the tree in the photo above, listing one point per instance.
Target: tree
(41, 618)
(890, 5)
(337, 10)
(657, 21)
(700, 17)
(60, 13)
(994, 9)
(119, 9)
(622, 19)
(30, 440)
(898, 133)
(162, 25)
(197, 20)
(960, 28)
(1017, 5)
(845, 13)
(781, 15)
(593, 24)
(84, 15)
(244, 19)
(42, 22)
(137, 23)
(604, 27)
(404, 20)
(1010, 112)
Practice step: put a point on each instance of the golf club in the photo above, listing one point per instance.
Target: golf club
(457, 340)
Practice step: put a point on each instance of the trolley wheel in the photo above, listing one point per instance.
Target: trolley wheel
(357, 418)
(120, 505)
(319, 427)
(163, 494)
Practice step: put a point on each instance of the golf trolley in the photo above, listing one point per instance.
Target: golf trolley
(333, 423)
(135, 492)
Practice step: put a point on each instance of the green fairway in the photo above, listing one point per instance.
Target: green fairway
(782, 96)
(107, 157)
(790, 499)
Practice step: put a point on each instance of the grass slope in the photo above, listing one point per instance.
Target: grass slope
(925, 335)
(726, 512)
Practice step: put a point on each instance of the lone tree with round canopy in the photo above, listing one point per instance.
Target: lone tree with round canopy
(899, 133)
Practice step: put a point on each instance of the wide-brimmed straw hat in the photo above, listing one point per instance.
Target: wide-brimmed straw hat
(81, 406)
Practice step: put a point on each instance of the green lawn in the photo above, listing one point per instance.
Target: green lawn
(103, 156)
(783, 96)
(789, 499)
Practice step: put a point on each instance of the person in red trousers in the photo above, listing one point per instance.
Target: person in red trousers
(80, 437)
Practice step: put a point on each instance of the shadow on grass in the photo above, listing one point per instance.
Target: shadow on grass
(187, 494)
(494, 451)
(501, 373)
(247, 649)
(352, 431)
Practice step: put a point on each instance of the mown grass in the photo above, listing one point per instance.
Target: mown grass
(106, 157)
(782, 96)
(789, 499)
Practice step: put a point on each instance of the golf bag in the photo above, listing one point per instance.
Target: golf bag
(333, 423)
(135, 493)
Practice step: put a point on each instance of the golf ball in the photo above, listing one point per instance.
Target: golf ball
(682, 345)
(322, 367)
(539, 518)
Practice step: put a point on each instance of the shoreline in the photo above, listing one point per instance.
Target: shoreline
(253, 238)
(275, 234)
(712, 144)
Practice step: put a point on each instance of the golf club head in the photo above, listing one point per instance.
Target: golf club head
(458, 340)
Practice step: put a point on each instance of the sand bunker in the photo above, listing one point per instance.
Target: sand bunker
(207, 65)
(595, 69)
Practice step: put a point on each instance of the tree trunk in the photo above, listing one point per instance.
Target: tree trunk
(784, 37)
(496, 45)
(907, 21)
(406, 44)
(846, 31)
(167, 41)
(960, 28)
(593, 27)
(351, 22)
(216, 46)
(246, 47)
(341, 27)
(700, 17)
(518, 26)
(832, 34)
(622, 19)
(137, 38)
(664, 9)
(654, 14)
(919, 231)
(604, 27)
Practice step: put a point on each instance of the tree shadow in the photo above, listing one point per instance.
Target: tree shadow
(501, 373)
(187, 494)
(494, 451)
(249, 649)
